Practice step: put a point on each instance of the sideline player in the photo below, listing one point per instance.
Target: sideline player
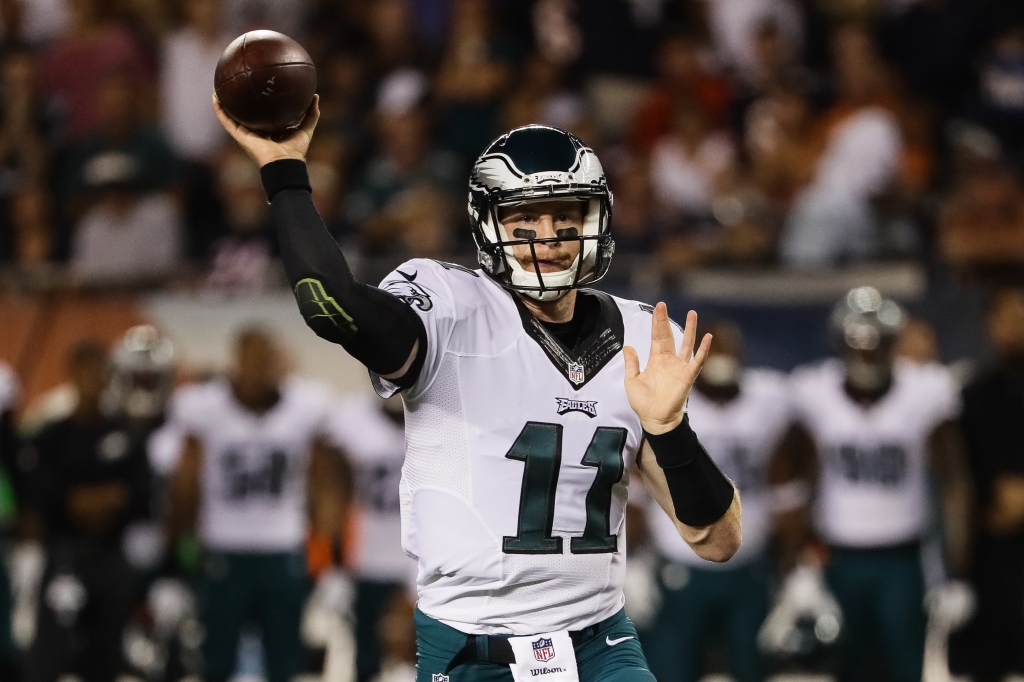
(372, 438)
(255, 465)
(525, 406)
(873, 430)
(742, 414)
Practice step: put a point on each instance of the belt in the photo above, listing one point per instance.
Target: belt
(497, 649)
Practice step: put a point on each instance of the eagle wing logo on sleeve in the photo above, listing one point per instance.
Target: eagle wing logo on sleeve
(410, 292)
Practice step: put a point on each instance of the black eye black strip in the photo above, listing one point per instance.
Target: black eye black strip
(523, 233)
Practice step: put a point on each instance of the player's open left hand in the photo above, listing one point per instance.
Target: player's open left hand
(289, 145)
(658, 394)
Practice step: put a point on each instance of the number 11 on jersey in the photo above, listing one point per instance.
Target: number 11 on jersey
(539, 447)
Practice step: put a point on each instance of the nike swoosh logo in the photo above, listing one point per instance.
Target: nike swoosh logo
(408, 277)
(613, 642)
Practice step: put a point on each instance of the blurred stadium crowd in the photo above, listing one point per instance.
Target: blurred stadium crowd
(794, 136)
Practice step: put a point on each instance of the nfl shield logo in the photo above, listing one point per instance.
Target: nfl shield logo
(576, 373)
(543, 650)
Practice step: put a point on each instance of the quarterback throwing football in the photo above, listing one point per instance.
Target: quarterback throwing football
(526, 407)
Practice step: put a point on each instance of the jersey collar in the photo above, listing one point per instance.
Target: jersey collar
(581, 363)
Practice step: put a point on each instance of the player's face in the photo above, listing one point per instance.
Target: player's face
(544, 220)
(259, 367)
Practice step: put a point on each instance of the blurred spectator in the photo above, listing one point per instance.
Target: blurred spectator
(116, 181)
(192, 129)
(712, 214)
(9, 397)
(254, 477)
(690, 165)
(241, 261)
(326, 183)
(682, 78)
(832, 220)
(32, 232)
(539, 79)
(92, 482)
(193, 50)
(1000, 105)
(994, 434)
(90, 51)
(636, 218)
(285, 16)
(776, 70)
(736, 27)
(981, 227)
(120, 131)
(129, 236)
(23, 159)
(33, 23)
(341, 82)
(780, 145)
(405, 200)
(473, 74)
(372, 436)
(397, 636)
(392, 35)
(742, 415)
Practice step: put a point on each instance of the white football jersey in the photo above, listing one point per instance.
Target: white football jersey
(513, 490)
(255, 466)
(873, 489)
(9, 389)
(375, 447)
(740, 436)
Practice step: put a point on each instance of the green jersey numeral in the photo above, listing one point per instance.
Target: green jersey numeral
(539, 446)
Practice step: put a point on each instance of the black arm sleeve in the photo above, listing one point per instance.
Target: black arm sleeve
(375, 327)
(701, 493)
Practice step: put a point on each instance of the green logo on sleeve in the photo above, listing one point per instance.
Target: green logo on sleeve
(317, 307)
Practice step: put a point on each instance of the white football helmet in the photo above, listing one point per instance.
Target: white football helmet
(142, 375)
(538, 163)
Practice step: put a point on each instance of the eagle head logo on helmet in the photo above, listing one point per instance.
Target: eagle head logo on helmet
(538, 163)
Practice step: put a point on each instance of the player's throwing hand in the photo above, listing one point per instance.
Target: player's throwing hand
(658, 394)
(290, 145)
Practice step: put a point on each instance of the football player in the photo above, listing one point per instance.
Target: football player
(873, 432)
(255, 466)
(91, 485)
(525, 407)
(742, 414)
(372, 437)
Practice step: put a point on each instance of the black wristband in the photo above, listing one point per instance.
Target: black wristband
(284, 174)
(674, 448)
(700, 492)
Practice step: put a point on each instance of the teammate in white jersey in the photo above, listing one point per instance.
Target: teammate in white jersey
(525, 407)
(255, 467)
(371, 435)
(874, 431)
(742, 414)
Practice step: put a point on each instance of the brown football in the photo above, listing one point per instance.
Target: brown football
(265, 81)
